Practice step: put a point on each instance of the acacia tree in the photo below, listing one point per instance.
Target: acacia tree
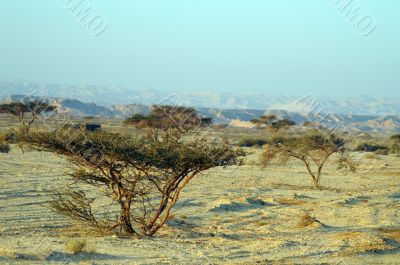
(313, 150)
(166, 116)
(143, 174)
(20, 109)
(273, 123)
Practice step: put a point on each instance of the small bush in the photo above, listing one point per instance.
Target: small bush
(367, 147)
(11, 137)
(250, 142)
(76, 246)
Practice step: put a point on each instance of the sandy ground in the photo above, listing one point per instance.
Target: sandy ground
(238, 215)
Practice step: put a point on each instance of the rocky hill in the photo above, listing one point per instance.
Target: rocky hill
(353, 114)
(114, 95)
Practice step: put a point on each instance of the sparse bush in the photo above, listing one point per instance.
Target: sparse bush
(10, 136)
(313, 150)
(76, 246)
(367, 147)
(144, 175)
(250, 142)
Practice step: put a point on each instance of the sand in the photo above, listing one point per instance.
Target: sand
(238, 215)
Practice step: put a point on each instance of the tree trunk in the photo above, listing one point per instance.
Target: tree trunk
(169, 206)
(316, 182)
(125, 216)
(315, 178)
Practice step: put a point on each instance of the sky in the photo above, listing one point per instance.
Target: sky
(280, 47)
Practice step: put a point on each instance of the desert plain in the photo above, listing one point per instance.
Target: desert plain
(236, 215)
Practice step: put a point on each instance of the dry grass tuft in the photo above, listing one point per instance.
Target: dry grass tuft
(290, 201)
(307, 220)
(77, 246)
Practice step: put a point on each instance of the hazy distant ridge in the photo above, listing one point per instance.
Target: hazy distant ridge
(113, 95)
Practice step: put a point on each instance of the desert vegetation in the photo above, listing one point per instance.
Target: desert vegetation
(144, 175)
(166, 116)
(313, 150)
(273, 123)
(170, 183)
(131, 184)
(21, 110)
(76, 246)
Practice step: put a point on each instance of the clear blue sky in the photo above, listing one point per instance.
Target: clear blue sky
(279, 47)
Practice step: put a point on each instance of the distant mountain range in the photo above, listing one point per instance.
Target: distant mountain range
(353, 114)
(113, 95)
